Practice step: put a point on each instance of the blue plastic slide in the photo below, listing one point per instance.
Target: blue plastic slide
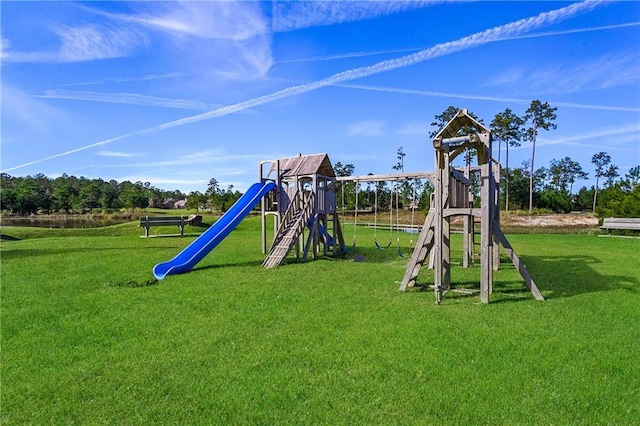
(209, 239)
(323, 233)
(326, 235)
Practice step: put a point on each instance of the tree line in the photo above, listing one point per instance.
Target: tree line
(553, 188)
(70, 194)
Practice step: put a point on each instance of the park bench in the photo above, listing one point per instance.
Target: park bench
(147, 222)
(623, 224)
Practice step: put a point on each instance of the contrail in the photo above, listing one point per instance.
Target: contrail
(484, 98)
(127, 80)
(413, 49)
(127, 98)
(498, 33)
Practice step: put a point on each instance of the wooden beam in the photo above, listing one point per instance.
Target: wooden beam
(524, 273)
(388, 177)
(448, 212)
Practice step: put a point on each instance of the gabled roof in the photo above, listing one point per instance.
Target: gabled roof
(306, 165)
(461, 121)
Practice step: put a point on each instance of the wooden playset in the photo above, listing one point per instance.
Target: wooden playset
(306, 220)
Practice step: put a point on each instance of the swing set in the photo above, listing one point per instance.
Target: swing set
(394, 199)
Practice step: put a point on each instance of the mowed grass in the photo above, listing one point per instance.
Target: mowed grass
(89, 337)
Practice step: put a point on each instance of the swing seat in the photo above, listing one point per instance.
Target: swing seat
(379, 247)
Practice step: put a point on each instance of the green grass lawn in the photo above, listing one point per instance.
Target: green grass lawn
(89, 337)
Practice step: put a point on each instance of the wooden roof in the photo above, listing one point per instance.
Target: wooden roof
(461, 121)
(306, 165)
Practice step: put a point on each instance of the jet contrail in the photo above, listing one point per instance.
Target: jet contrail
(484, 98)
(413, 49)
(498, 33)
(127, 98)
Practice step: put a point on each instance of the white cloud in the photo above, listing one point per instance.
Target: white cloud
(613, 138)
(293, 15)
(614, 69)
(366, 128)
(210, 158)
(235, 59)
(414, 128)
(85, 43)
(230, 38)
(93, 42)
(4, 45)
(224, 20)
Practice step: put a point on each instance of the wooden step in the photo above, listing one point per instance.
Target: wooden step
(288, 234)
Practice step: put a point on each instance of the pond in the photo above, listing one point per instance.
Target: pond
(62, 221)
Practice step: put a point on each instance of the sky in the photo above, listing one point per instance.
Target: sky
(177, 93)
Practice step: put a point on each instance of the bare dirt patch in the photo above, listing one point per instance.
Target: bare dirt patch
(570, 220)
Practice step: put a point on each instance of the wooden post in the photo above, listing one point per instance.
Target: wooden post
(439, 240)
(496, 213)
(446, 223)
(486, 204)
(467, 255)
(314, 234)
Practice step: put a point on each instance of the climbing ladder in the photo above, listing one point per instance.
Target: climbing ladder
(293, 223)
(423, 247)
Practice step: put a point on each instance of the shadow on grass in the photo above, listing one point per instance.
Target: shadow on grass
(375, 255)
(177, 235)
(555, 276)
(566, 276)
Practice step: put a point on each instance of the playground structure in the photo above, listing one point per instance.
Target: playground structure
(303, 208)
(300, 194)
(452, 197)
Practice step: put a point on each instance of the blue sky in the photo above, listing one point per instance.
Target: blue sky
(175, 93)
